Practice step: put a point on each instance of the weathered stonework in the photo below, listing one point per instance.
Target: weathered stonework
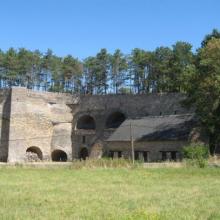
(47, 123)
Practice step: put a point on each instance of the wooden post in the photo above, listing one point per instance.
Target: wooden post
(132, 143)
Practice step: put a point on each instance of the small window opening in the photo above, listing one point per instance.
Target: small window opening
(115, 154)
(119, 154)
(141, 155)
(111, 154)
(164, 155)
(168, 155)
(173, 155)
(83, 139)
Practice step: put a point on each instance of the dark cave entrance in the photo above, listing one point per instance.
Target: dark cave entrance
(59, 156)
(83, 154)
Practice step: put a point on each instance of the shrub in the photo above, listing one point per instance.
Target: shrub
(196, 155)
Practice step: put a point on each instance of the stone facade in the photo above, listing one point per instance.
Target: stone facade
(62, 127)
(155, 150)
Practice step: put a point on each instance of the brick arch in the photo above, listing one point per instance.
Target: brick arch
(115, 119)
(35, 150)
(83, 153)
(59, 156)
(86, 122)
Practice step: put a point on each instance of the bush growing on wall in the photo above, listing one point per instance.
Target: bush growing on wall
(196, 154)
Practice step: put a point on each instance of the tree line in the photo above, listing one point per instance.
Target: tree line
(166, 69)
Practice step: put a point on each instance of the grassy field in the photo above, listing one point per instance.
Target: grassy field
(63, 193)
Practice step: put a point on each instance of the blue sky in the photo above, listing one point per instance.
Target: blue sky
(83, 27)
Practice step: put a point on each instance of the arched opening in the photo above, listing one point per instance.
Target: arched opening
(34, 154)
(86, 122)
(59, 156)
(115, 120)
(83, 154)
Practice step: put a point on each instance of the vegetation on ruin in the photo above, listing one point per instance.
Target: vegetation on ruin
(196, 155)
(122, 193)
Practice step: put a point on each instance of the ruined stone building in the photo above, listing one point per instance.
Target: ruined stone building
(62, 127)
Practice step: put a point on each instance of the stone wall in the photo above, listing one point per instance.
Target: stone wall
(5, 109)
(48, 121)
(41, 120)
(132, 106)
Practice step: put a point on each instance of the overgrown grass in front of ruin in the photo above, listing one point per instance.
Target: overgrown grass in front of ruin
(109, 193)
(105, 163)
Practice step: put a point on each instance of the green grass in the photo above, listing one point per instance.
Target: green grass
(64, 193)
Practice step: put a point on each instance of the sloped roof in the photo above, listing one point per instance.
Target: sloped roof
(167, 127)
